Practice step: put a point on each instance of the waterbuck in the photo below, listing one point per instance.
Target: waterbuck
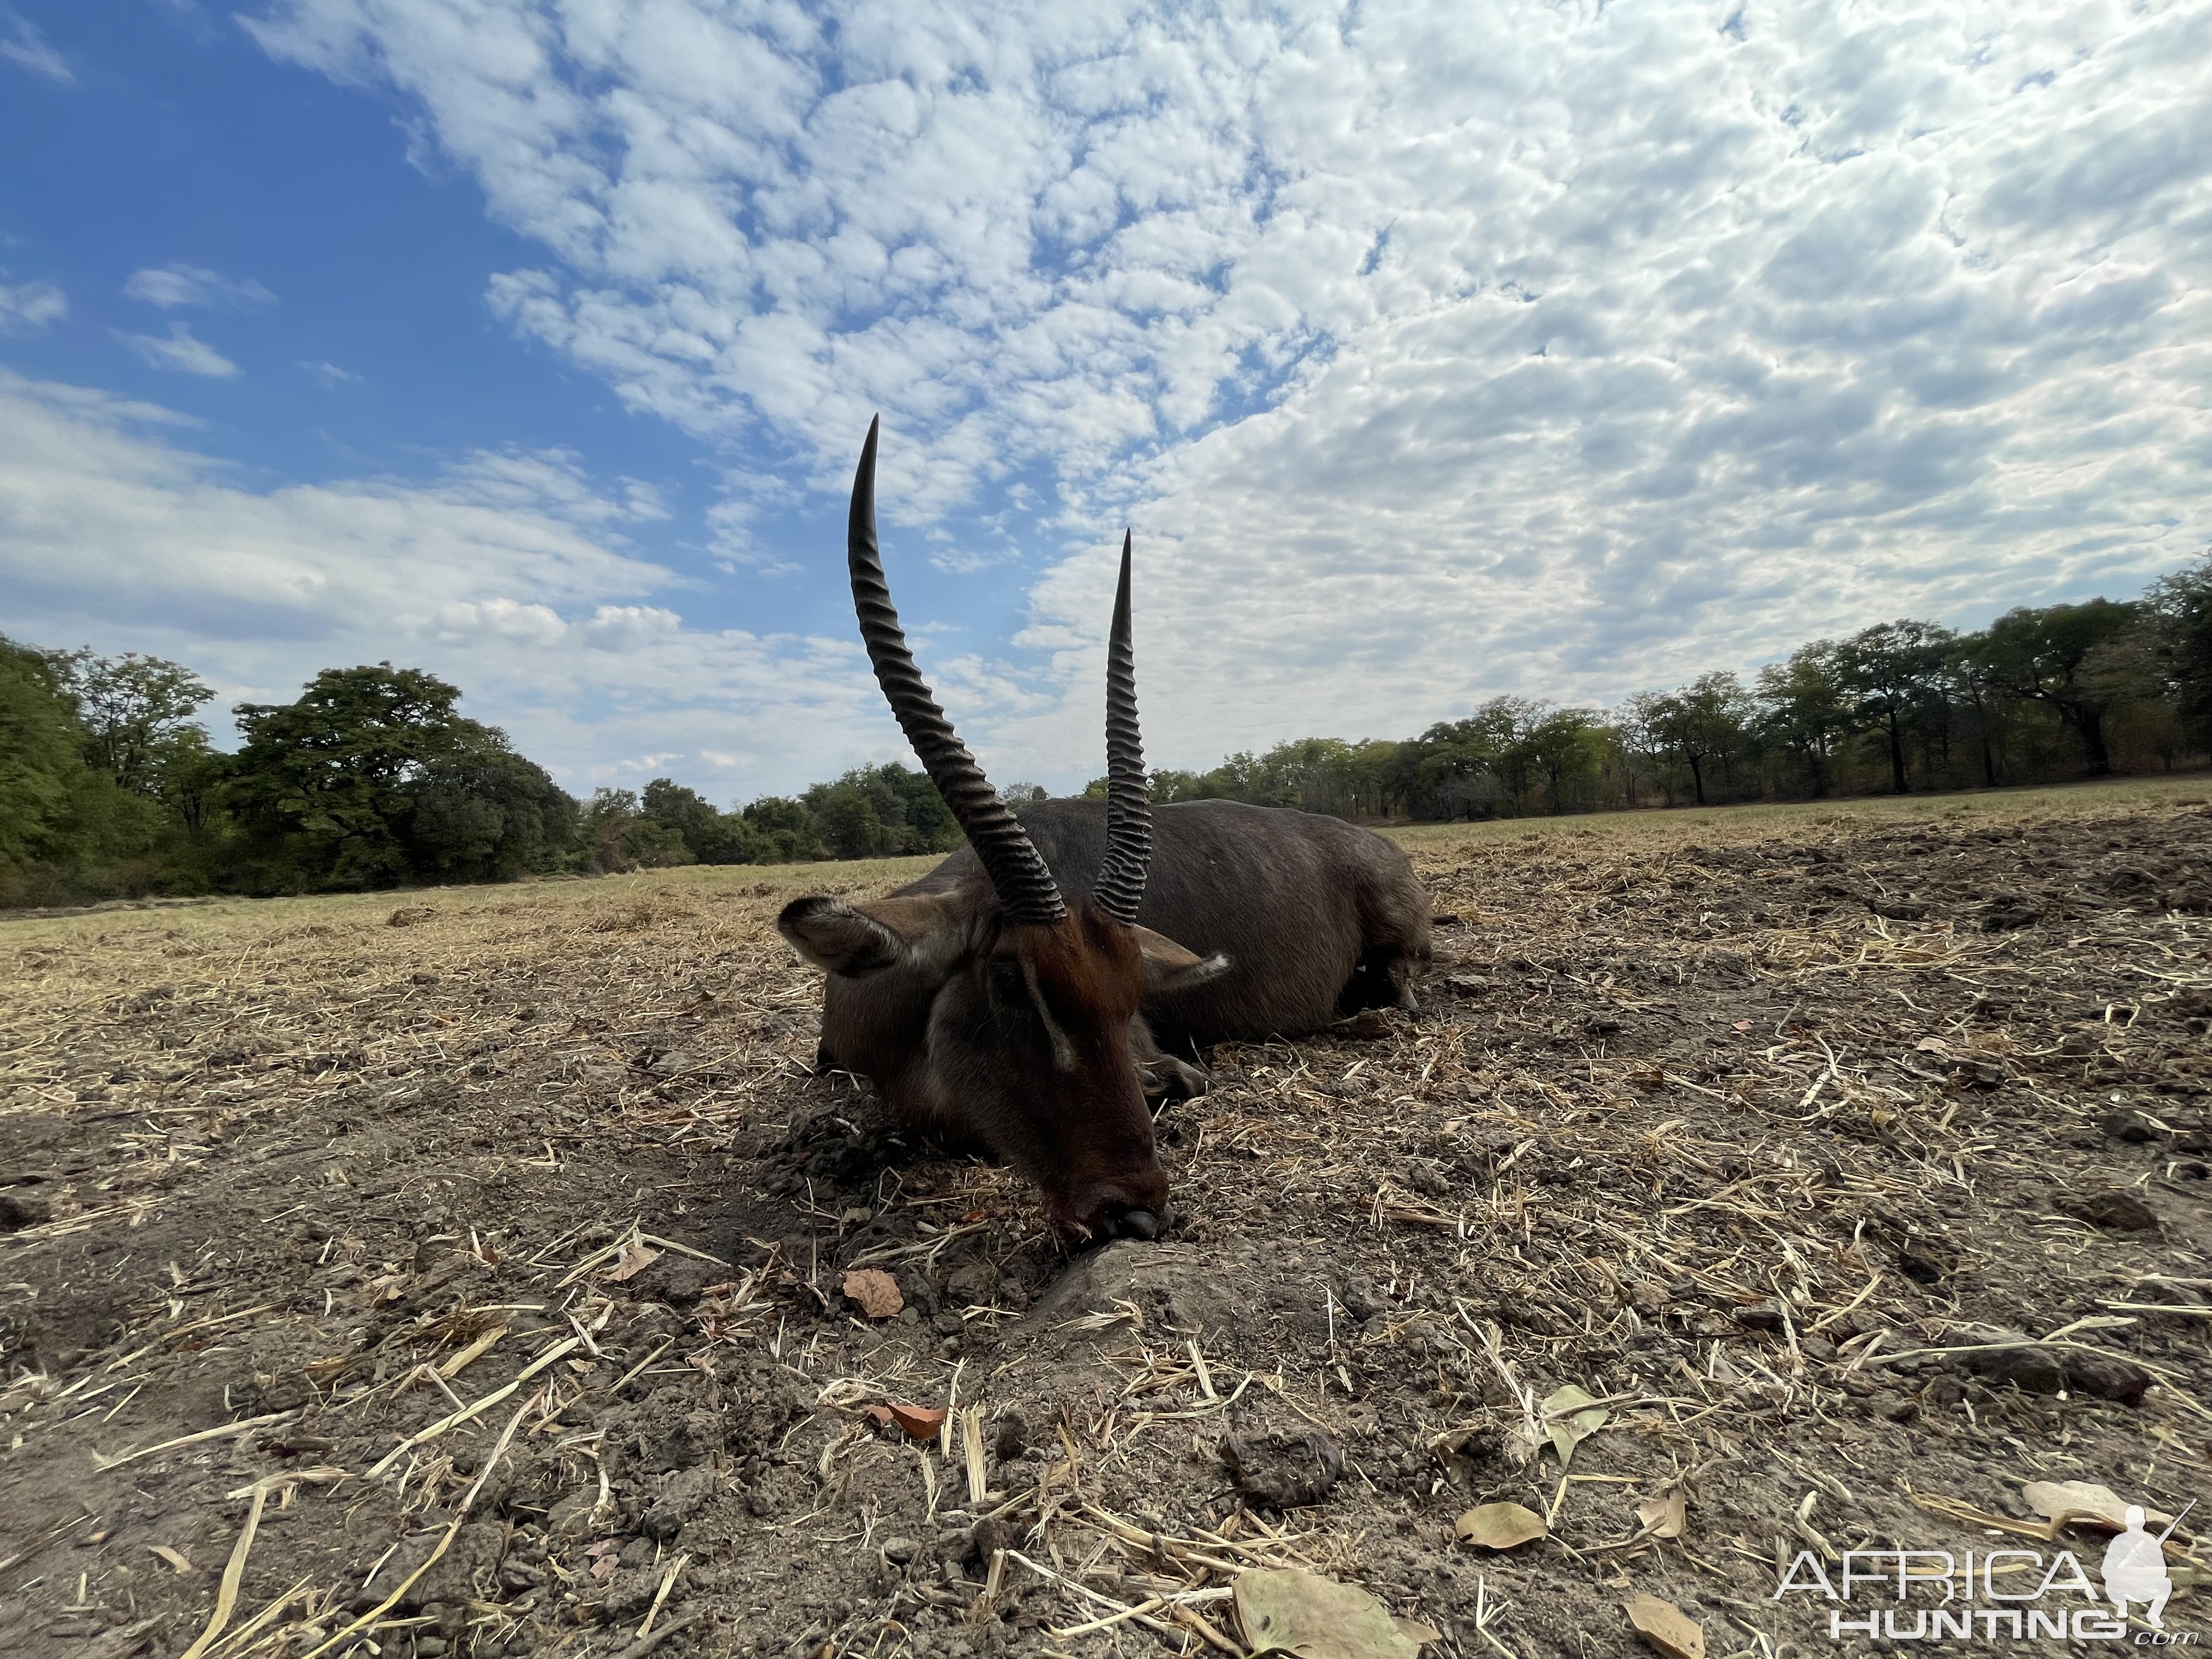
(1021, 990)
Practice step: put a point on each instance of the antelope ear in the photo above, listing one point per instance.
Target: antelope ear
(1169, 967)
(842, 939)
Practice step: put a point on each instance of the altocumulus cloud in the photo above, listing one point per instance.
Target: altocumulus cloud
(1433, 351)
(108, 521)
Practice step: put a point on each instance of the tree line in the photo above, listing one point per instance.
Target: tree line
(2042, 694)
(372, 778)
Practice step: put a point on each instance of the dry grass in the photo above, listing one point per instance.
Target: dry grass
(1749, 1123)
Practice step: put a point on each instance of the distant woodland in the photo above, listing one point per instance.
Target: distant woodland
(109, 787)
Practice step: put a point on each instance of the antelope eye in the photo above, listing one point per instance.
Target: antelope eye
(1007, 984)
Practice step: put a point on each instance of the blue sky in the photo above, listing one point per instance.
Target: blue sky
(1434, 352)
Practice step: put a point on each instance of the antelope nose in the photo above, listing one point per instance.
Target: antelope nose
(1139, 1224)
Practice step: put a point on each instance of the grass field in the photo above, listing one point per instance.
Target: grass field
(502, 1232)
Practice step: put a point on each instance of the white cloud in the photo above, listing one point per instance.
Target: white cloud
(1433, 351)
(22, 43)
(328, 375)
(171, 286)
(550, 480)
(112, 533)
(182, 351)
(29, 306)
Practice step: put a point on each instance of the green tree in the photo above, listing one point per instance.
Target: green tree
(137, 715)
(2178, 608)
(1452, 768)
(1894, 677)
(712, 836)
(41, 754)
(618, 837)
(784, 827)
(1805, 710)
(2061, 656)
(481, 812)
(326, 787)
(1562, 746)
(1704, 724)
(928, 823)
(851, 817)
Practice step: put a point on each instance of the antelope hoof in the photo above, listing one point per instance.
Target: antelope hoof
(1168, 1079)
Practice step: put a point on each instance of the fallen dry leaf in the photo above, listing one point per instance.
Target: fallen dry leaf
(1667, 1627)
(1500, 1527)
(174, 1558)
(633, 1262)
(1571, 1416)
(1665, 1516)
(875, 1291)
(2082, 1500)
(920, 1422)
(1289, 1611)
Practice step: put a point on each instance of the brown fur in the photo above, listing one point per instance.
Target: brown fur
(1041, 1039)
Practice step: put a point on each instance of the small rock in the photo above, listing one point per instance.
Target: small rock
(1760, 1316)
(987, 1539)
(630, 1592)
(2108, 1376)
(1369, 1026)
(1360, 1296)
(571, 1516)
(1896, 1408)
(677, 1281)
(971, 1285)
(1283, 1470)
(900, 1550)
(1012, 1439)
(2129, 1125)
(686, 1493)
(453, 1578)
(2114, 1209)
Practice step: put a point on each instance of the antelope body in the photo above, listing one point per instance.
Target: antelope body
(1021, 990)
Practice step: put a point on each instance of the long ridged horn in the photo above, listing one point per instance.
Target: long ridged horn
(1128, 861)
(1026, 890)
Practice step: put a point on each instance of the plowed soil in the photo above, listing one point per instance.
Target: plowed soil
(505, 1226)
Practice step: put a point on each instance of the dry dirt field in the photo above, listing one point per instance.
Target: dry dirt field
(464, 1273)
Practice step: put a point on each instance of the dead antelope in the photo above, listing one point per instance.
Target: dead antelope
(1023, 989)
